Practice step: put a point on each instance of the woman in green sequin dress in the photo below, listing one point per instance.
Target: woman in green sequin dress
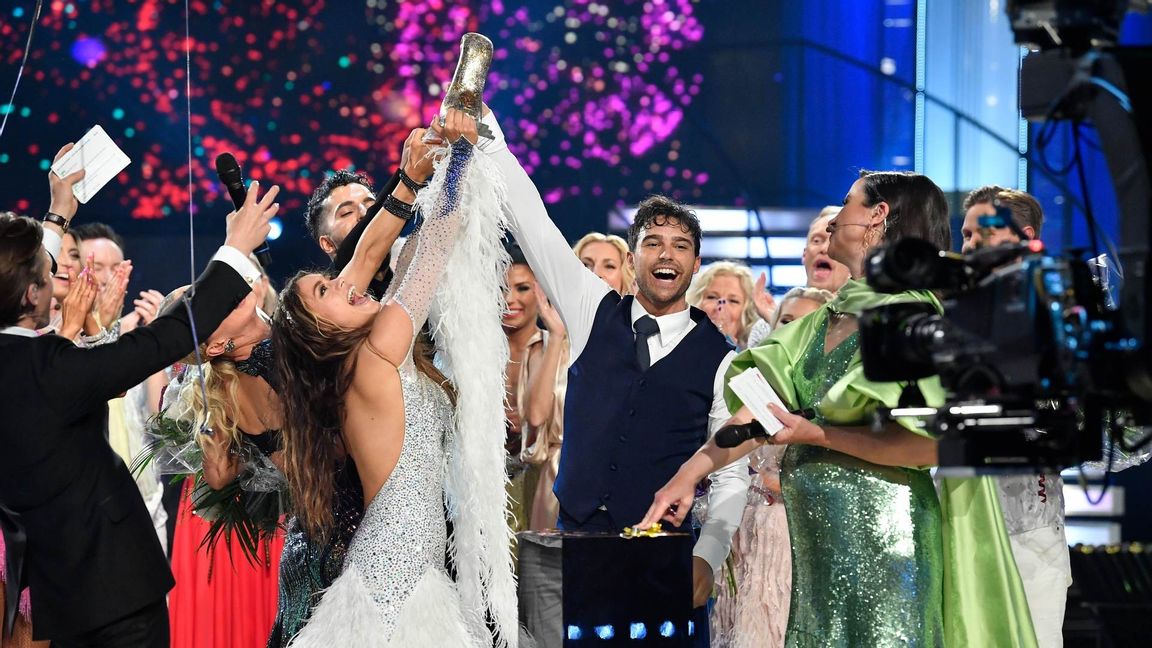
(878, 558)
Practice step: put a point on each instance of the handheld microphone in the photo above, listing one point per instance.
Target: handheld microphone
(228, 170)
(731, 436)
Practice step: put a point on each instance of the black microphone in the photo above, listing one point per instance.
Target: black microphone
(731, 436)
(228, 170)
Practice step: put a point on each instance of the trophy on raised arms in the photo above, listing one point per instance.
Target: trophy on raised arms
(466, 92)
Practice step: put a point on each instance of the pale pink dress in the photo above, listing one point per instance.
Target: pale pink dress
(543, 455)
(757, 616)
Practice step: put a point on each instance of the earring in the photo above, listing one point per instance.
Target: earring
(869, 239)
(229, 346)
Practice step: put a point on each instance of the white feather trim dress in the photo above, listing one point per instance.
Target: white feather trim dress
(394, 590)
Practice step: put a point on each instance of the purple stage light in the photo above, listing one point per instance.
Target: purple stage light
(89, 52)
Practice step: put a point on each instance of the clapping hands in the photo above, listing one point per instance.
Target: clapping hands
(765, 303)
(77, 304)
(110, 299)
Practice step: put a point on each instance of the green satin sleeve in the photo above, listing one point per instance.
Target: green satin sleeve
(984, 600)
(854, 398)
(775, 358)
(851, 401)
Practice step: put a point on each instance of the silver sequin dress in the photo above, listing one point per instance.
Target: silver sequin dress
(403, 533)
(394, 592)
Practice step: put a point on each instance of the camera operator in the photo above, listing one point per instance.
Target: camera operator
(1033, 504)
(878, 557)
(983, 202)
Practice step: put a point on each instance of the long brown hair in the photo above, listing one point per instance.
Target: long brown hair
(315, 361)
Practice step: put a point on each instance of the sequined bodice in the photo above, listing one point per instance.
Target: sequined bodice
(403, 531)
(820, 368)
(866, 543)
(307, 566)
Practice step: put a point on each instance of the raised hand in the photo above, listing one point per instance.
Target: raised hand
(77, 304)
(456, 125)
(64, 202)
(110, 300)
(548, 313)
(147, 307)
(416, 159)
(763, 300)
(248, 227)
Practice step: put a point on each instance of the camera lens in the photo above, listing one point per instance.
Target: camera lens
(897, 341)
(903, 265)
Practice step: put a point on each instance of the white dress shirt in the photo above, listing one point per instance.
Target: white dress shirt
(52, 242)
(576, 292)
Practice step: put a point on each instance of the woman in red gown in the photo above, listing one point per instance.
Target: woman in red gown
(226, 588)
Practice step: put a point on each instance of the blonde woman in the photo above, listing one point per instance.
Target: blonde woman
(755, 615)
(726, 291)
(607, 256)
(221, 599)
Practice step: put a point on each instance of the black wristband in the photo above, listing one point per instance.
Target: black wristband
(57, 219)
(397, 207)
(410, 183)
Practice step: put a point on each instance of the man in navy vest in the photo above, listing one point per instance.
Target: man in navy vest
(645, 384)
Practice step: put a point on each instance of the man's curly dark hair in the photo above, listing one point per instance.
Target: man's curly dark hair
(662, 210)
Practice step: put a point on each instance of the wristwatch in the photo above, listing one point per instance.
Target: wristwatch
(50, 217)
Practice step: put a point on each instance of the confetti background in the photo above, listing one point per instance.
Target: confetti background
(713, 103)
(721, 103)
(591, 95)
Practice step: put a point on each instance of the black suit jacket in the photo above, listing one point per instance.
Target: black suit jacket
(92, 553)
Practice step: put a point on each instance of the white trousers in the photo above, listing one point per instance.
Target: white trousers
(1042, 560)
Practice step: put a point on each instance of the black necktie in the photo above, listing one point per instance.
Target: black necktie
(645, 327)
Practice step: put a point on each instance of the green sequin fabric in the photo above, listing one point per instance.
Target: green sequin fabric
(867, 564)
(308, 567)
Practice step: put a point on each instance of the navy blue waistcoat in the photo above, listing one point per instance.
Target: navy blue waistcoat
(626, 432)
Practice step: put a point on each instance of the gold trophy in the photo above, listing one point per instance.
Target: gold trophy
(466, 92)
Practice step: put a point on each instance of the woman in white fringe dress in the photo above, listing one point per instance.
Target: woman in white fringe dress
(351, 374)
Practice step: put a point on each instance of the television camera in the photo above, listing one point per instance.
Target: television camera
(1037, 363)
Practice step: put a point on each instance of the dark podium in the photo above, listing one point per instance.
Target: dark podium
(596, 589)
